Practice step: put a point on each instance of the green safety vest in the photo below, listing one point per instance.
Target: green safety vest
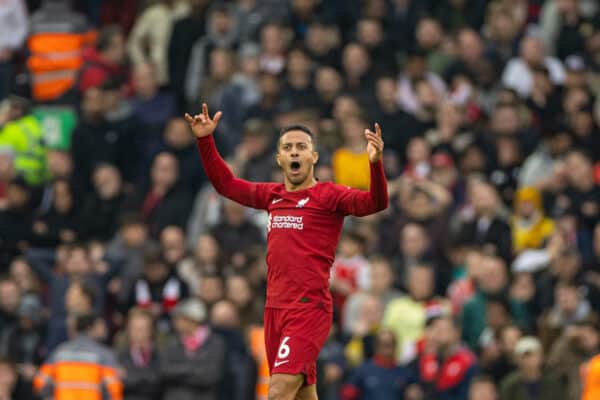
(26, 138)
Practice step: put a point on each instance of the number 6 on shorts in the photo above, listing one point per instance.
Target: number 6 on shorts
(284, 349)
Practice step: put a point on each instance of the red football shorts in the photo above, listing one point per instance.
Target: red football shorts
(293, 339)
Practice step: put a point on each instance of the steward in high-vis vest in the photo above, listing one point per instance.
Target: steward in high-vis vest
(80, 369)
(590, 378)
(57, 38)
(25, 137)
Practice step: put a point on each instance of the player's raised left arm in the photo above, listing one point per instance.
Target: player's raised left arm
(360, 202)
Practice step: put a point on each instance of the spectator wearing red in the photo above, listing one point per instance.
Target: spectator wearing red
(106, 60)
(446, 366)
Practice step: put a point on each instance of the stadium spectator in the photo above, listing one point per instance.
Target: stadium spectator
(158, 289)
(406, 316)
(380, 377)
(492, 285)
(571, 351)
(446, 367)
(105, 60)
(194, 362)
(165, 201)
(531, 381)
(138, 359)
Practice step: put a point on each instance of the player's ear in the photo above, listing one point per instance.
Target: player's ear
(277, 159)
(315, 157)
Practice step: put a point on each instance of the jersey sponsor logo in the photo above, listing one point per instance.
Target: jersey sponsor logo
(275, 201)
(285, 222)
(302, 202)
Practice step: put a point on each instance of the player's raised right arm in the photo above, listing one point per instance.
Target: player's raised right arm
(217, 171)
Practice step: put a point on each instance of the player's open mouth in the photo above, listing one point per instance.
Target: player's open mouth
(295, 166)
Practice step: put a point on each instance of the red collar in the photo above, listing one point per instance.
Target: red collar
(384, 362)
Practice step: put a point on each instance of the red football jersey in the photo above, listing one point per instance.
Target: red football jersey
(303, 227)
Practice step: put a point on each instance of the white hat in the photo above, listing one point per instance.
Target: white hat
(527, 344)
(192, 309)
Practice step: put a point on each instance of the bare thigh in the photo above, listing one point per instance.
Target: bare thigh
(285, 386)
(307, 393)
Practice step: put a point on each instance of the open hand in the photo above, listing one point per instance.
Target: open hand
(374, 143)
(201, 124)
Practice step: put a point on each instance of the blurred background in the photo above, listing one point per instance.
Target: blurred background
(480, 281)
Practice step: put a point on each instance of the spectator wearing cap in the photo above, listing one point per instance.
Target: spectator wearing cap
(80, 368)
(445, 366)
(193, 363)
(138, 359)
(380, 377)
(576, 345)
(531, 380)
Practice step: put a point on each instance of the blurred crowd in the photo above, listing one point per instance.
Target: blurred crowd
(481, 281)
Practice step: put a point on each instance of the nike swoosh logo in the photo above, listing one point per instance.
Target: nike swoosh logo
(277, 364)
(275, 201)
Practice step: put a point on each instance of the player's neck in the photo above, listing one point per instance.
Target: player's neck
(308, 183)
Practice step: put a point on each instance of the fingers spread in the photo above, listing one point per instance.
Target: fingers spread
(217, 117)
(188, 118)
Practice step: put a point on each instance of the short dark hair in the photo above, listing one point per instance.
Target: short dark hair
(84, 322)
(297, 127)
(106, 36)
